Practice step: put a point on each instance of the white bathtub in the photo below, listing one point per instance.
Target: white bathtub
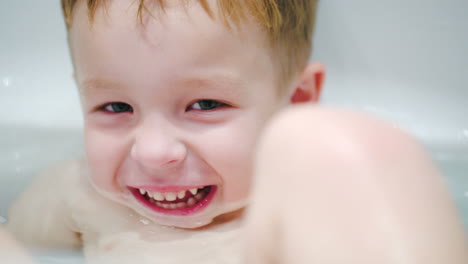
(404, 60)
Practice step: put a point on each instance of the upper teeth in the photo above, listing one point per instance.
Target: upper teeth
(168, 196)
(181, 194)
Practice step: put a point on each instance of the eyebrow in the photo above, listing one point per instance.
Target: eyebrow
(224, 84)
(101, 84)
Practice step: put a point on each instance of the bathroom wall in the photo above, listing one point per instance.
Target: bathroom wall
(405, 60)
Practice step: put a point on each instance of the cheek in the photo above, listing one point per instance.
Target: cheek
(231, 155)
(104, 154)
(237, 171)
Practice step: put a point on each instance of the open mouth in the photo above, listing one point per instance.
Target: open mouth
(182, 202)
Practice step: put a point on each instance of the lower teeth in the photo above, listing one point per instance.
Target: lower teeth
(191, 202)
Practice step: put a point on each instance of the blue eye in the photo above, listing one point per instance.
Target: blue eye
(118, 107)
(205, 105)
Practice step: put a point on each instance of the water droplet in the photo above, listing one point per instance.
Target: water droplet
(2, 220)
(465, 133)
(6, 81)
(199, 223)
(144, 221)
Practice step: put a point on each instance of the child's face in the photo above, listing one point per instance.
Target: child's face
(171, 106)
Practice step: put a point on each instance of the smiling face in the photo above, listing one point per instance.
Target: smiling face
(172, 109)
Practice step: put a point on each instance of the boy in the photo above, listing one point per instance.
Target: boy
(174, 96)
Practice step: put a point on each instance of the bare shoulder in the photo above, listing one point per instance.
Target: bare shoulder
(48, 194)
(308, 116)
(296, 127)
(10, 251)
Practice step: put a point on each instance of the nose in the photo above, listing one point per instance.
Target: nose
(157, 148)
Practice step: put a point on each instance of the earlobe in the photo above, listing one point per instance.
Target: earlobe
(310, 84)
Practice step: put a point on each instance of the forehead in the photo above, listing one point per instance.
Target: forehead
(179, 34)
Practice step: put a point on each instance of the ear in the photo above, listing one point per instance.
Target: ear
(310, 84)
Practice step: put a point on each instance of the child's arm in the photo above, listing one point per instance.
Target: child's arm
(41, 218)
(340, 187)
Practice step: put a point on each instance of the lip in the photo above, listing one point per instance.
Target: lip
(178, 212)
(168, 188)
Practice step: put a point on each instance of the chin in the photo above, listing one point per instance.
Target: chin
(200, 219)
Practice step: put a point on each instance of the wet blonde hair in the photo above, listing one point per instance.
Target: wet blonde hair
(289, 24)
